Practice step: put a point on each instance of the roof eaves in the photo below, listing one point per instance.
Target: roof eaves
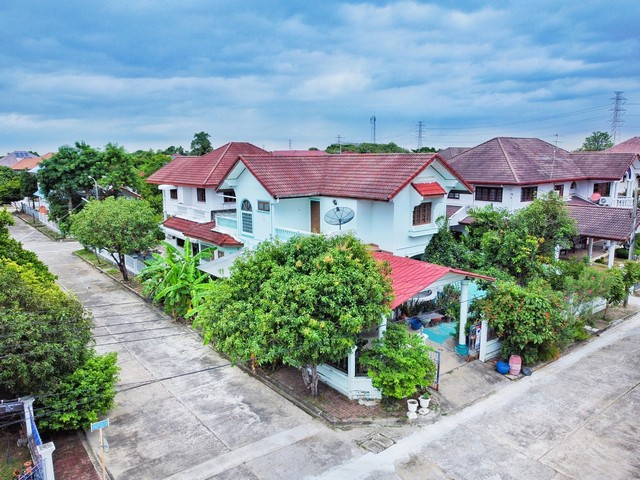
(411, 177)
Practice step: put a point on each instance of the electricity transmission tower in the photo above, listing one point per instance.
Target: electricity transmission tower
(372, 120)
(617, 113)
(420, 135)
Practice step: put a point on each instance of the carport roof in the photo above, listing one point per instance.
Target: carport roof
(608, 223)
(409, 277)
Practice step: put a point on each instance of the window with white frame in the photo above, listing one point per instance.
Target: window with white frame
(528, 194)
(246, 216)
(173, 194)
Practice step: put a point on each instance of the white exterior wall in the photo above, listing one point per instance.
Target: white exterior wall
(187, 205)
(248, 188)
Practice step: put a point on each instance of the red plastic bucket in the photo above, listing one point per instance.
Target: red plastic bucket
(515, 364)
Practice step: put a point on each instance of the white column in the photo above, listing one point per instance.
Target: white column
(590, 243)
(46, 453)
(612, 252)
(464, 308)
(351, 364)
(383, 327)
(27, 404)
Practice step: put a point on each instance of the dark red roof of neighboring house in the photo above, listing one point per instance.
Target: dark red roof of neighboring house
(597, 221)
(409, 277)
(430, 189)
(451, 152)
(531, 161)
(297, 153)
(206, 171)
(452, 210)
(364, 176)
(201, 231)
(628, 146)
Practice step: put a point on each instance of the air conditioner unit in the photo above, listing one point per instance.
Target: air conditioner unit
(604, 201)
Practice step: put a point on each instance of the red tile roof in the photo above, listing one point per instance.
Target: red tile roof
(363, 176)
(201, 231)
(607, 223)
(452, 210)
(628, 146)
(26, 163)
(431, 189)
(206, 171)
(297, 153)
(528, 161)
(409, 277)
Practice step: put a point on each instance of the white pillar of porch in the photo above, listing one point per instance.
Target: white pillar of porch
(461, 348)
(351, 364)
(612, 252)
(46, 453)
(383, 327)
(590, 244)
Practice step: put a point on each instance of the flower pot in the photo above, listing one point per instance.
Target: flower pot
(412, 405)
(502, 367)
(424, 402)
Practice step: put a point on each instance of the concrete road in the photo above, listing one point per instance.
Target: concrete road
(574, 419)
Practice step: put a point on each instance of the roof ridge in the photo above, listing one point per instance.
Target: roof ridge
(506, 157)
(213, 169)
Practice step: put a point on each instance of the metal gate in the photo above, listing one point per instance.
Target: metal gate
(435, 356)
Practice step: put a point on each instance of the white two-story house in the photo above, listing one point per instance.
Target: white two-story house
(391, 200)
(192, 197)
(511, 172)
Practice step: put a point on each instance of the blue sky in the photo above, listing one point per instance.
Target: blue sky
(151, 73)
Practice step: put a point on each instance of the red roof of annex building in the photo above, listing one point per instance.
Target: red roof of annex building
(367, 176)
(206, 171)
(628, 146)
(607, 223)
(409, 277)
(531, 161)
(26, 163)
(201, 231)
(431, 189)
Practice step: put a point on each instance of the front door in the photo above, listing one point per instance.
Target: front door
(315, 216)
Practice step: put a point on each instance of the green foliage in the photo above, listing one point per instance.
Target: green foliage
(365, 148)
(399, 363)
(302, 302)
(118, 225)
(597, 141)
(200, 144)
(527, 320)
(444, 249)
(146, 163)
(28, 184)
(547, 218)
(43, 331)
(591, 283)
(9, 185)
(81, 396)
(173, 150)
(11, 249)
(174, 279)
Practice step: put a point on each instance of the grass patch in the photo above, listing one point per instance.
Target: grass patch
(109, 268)
(12, 456)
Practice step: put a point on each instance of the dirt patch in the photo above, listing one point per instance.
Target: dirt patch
(12, 456)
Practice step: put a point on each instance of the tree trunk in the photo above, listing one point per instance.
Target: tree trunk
(310, 378)
(120, 261)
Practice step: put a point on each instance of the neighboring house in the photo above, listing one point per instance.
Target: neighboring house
(392, 200)
(12, 158)
(628, 146)
(27, 163)
(511, 172)
(192, 197)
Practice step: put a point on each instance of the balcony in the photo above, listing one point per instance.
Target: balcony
(226, 224)
(192, 213)
(621, 202)
(285, 234)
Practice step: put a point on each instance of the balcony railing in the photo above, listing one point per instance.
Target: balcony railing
(625, 202)
(227, 224)
(192, 213)
(285, 234)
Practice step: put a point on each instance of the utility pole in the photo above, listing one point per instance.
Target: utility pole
(420, 135)
(617, 113)
(372, 121)
(339, 144)
(95, 183)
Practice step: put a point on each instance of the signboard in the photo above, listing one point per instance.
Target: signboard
(99, 425)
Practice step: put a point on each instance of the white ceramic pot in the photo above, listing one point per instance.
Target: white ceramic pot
(412, 405)
(424, 402)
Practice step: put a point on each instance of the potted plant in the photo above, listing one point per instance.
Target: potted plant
(425, 398)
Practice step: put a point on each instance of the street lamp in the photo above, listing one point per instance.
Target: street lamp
(95, 183)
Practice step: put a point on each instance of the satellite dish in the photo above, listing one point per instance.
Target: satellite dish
(339, 216)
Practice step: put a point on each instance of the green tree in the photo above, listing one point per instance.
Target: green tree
(172, 278)
(146, 163)
(547, 218)
(28, 184)
(365, 148)
(444, 249)
(399, 363)
(528, 319)
(302, 303)
(173, 150)
(200, 144)
(118, 225)
(9, 185)
(597, 141)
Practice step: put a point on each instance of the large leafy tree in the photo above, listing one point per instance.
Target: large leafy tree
(28, 184)
(147, 162)
(118, 225)
(201, 144)
(443, 249)
(597, 141)
(302, 303)
(365, 148)
(9, 185)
